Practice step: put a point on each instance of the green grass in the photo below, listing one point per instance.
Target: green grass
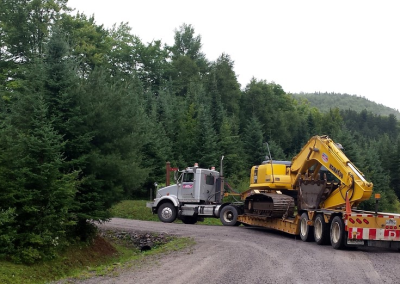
(137, 210)
(133, 209)
(82, 262)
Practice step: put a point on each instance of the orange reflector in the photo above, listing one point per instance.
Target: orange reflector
(377, 196)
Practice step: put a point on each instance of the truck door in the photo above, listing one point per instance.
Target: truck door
(187, 186)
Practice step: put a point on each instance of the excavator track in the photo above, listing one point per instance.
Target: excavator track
(272, 205)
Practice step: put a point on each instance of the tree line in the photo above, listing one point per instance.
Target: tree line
(89, 116)
(323, 101)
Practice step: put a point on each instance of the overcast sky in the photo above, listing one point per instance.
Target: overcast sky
(336, 46)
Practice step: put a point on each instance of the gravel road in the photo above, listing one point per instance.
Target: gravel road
(254, 255)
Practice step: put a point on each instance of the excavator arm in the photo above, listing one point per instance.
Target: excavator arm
(321, 151)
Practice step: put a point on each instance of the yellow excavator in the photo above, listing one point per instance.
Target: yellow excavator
(319, 177)
(315, 196)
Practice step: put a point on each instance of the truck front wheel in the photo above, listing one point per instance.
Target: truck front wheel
(167, 212)
(337, 233)
(229, 215)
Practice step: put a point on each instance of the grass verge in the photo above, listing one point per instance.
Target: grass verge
(105, 256)
(102, 257)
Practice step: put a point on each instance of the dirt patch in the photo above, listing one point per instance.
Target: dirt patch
(98, 251)
(103, 247)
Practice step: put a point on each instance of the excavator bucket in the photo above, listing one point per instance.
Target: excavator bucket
(310, 193)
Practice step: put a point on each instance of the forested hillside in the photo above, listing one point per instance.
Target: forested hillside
(90, 115)
(326, 101)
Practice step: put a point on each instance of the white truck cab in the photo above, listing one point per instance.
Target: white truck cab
(197, 194)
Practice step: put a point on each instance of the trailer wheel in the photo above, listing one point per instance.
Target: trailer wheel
(321, 230)
(189, 219)
(167, 212)
(337, 233)
(305, 229)
(228, 216)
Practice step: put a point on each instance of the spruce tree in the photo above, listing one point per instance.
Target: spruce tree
(253, 142)
(33, 181)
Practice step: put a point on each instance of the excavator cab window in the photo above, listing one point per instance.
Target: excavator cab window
(324, 174)
(329, 176)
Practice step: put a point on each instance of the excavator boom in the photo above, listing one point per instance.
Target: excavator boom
(307, 177)
(321, 151)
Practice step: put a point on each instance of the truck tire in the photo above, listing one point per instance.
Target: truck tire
(321, 230)
(306, 231)
(189, 219)
(167, 212)
(228, 216)
(337, 233)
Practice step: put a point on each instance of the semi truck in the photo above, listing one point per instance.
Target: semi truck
(314, 196)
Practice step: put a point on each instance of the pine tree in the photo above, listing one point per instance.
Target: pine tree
(253, 142)
(206, 142)
(381, 180)
(226, 85)
(33, 183)
(395, 169)
(113, 112)
(231, 147)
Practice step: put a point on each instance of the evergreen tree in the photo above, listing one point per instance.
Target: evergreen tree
(276, 151)
(253, 142)
(113, 112)
(206, 144)
(226, 84)
(332, 122)
(231, 148)
(157, 147)
(188, 62)
(33, 183)
(381, 180)
(395, 169)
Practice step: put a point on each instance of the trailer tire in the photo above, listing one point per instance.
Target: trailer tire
(229, 215)
(167, 212)
(306, 231)
(321, 230)
(337, 233)
(189, 219)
